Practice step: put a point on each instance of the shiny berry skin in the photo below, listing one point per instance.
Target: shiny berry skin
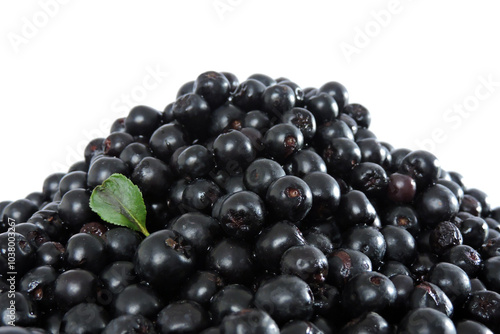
(51, 185)
(368, 240)
(152, 176)
(230, 299)
(370, 178)
(249, 321)
(400, 244)
(93, 148)
(118, 125)
(422, 166)
(200, 230)
(306, 262)
(426, 294)
(214, 87)
(137, 299)
(452, 280)
(195, 161)
(341, 155)
(484, 307)
(242, 214)
(25, 312)
(366, 324)
(186, 88)
(483, 198)
(444, 236)
(373, 151)
(464, 257)
(114, 144)
(343, 264)
(300, 326)
(359, 113)
(85, 318)
(129, 324)
(355, 209)
(134, 153)
(39, 284)
(233, 80)
(469, 326)
(232, 259)
(298, 92)
(282, 140)
(74, 208)
(337, 91)
(200, 195)
(73, 180)
(142, 121)
(193, 113)
(103, 168)
(233, 152)
(303, 120)
(436, 204)
(260, 174)
(86, 251)
(277, 99)
(274, 241)
(368, 291)
(426, 320)
(401, 188)
(331, 130)
(201, 287)
(285, 298)
(182, 317)
(471, 205)
(166, 139)
(19, 211)
(304, 162)
(248, 95)
(75, 286)
(225, 118)
(264, 79)
(490, 273)
(323, 107)
(289, 198)
(50, 253)
(256, 119)
(474, 231)
(116, 277)
(325, 193)
(164, 259)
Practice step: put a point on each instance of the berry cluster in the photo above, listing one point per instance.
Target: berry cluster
(272, 209)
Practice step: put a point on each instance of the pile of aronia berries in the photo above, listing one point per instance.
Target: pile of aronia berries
(272, 209)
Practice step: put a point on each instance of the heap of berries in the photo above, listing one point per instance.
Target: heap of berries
(269, 209)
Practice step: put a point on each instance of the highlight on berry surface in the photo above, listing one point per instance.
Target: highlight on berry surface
(118, 201)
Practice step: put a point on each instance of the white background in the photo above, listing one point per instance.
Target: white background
(67, 68)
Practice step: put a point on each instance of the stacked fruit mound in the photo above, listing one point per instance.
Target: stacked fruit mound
(253, 207)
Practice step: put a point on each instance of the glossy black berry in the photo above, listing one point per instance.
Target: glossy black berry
(130, 324)
(474, 231)
(249, 321)
(164, 259)
(306, 262)
(73, 180)
(195, 161)
(325, 192)
(242, 214)
(444, 236)
(343, 264)
(225, 118)
(370, 178)
(142, 121)
(426, 320)
(182, 317)
(214, 87)
(490, 273)
(166, 139)
(452, 280)
(341, 155)
(103, 168)
(201, 287)
(484, 307)
(75, 286)
(436, 204)
(323, 107)
(304, 162)
(303, 119)
(230, 299)
(116, 277)
(355, 209)
(368, 291)
(282, 140)
(430, 295)
(367, 323)
(86, 251)
(337, 91)
(359, 113)
(17, 308)
(248, 95)
(200, 195)
(85, 318)
(232, 259)
(137, 299)
(186, 88)
(233, 152)
(422, 166)
(285, 298)
(289, 198)
(152, 176)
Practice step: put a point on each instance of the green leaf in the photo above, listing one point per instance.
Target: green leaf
(118, 201)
